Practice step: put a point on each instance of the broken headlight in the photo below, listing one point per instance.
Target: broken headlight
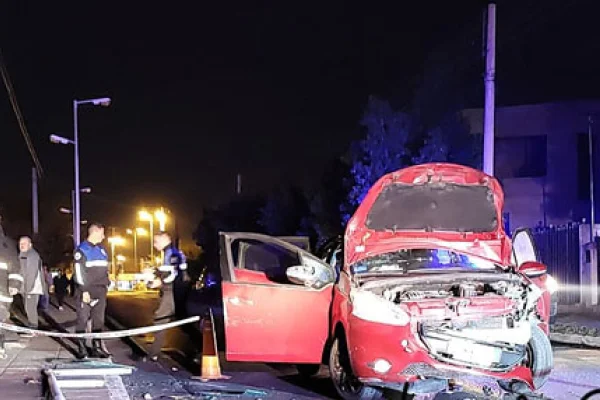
(370, 307)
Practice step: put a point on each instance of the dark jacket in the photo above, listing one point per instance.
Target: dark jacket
(9, 268)
(31, 269)
(61, 283)
(174, 267)
(91, 266)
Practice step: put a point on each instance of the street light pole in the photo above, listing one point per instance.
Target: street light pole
(76, 208)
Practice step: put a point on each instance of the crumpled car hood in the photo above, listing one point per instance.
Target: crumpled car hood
(437, 205)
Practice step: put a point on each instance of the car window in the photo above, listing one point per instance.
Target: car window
(269, 258)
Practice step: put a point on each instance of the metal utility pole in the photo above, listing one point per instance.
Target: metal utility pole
(34, 201)
(489, 80)
(238, 184)
(591, 155)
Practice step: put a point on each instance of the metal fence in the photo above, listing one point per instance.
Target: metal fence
(559, 249)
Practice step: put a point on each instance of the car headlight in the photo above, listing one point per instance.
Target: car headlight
(370, 307)
(551, 284)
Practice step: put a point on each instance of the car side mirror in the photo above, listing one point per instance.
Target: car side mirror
(532, 269)
(300, 274)
(312, 274)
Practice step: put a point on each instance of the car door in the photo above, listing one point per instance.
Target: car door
(268, 317)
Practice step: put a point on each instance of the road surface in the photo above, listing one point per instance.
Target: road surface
(576, 372)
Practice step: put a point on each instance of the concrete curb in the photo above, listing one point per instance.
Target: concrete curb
(575, 335)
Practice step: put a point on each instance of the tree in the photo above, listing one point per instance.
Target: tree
(238, 215)
(385, 148)
(325, 214)
(450, 141)
(285, 213)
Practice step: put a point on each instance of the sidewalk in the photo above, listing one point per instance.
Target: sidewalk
(576, 325)
(21, 371)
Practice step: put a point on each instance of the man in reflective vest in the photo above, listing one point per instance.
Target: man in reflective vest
(172, 279)
(91, 278)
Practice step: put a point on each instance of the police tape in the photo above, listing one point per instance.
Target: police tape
(99, 335)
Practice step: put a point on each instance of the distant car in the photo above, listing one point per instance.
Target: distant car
(426, 287)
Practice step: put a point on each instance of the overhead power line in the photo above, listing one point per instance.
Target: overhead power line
(20, 120)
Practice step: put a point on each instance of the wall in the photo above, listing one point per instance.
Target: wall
(554, 197)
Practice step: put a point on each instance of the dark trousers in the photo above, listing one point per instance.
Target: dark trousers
(180, 295)
(93, 310)
(165, 312)
(60, 297)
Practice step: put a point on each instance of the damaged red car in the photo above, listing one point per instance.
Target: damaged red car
(425, 289)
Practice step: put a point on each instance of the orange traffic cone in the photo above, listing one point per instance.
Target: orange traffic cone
(211, 367)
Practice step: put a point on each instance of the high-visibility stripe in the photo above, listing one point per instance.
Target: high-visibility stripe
(78, 276)
(170, 278)
(96, 263)
(16, 277)
(166, 268)
(6, 299)
(183, 266)
(3, 265)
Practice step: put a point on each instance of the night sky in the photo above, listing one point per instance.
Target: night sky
(273, 90)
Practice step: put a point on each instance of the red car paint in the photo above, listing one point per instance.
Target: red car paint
(287, 323)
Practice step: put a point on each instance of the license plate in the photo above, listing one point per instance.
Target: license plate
(474, 353)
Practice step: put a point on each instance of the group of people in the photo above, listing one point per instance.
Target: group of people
(23, 273)
(92, 281)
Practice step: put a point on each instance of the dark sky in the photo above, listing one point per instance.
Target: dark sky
(273, 90)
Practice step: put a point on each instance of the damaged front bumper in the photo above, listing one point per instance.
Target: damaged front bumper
(485, 348)
(411, 360)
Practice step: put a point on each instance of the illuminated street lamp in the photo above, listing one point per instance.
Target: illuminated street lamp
(146, 216)
(115, 241)
(161, 217)
(104, 102)
(136, 232)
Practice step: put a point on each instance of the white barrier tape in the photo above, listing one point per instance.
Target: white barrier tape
(99, 335)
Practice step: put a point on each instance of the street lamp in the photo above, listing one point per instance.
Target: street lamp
(115, 241)
(105, 102)
(146, 216)
(161, 217)
(135, 232)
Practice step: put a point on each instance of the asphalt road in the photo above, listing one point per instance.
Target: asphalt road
(576, 372)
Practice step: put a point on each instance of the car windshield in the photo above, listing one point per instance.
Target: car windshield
(422, 261)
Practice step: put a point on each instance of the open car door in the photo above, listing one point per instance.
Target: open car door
(523, 247)
(276, 300)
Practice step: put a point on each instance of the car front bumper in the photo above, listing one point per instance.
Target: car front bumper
(409, 358)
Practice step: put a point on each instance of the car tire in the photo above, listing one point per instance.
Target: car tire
(346, 384)
(539, 359)
(308, 370)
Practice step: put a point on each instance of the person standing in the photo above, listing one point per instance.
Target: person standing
(91, 278)
(48, 288)
(34, 279)
(61, 285)
(171, 276)
(11, 280)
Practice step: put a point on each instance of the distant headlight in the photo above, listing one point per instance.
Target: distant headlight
(551, 284)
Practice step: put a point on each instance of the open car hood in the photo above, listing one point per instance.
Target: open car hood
(429, 206)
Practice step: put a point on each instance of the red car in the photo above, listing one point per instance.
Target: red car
(430, 289)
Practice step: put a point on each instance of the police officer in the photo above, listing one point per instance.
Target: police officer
(10, 280)
(172, 279)
(91, 279)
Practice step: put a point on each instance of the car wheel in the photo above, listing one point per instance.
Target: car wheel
(346, 384)
(308, 370)
(539, 359)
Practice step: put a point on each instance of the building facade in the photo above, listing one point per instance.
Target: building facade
(542, 160)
